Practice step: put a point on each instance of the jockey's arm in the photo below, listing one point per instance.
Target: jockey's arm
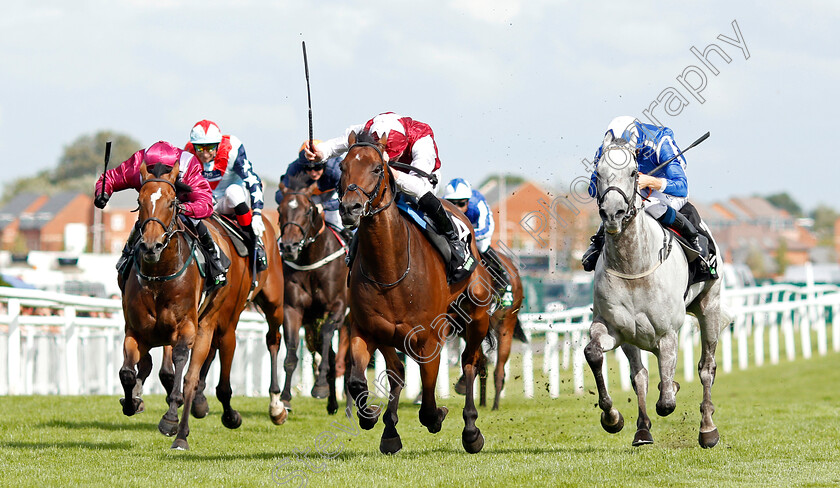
(199, 202)
(676, 183)
(332, 147)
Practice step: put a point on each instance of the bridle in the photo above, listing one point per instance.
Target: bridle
(367, 209)
(170, 229)
(630, 201)
(308, 235)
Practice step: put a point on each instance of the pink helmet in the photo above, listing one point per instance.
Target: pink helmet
(161, 153)
(205, 132)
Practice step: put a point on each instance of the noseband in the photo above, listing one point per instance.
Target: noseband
(170, 229)
(307, 238)
(366, 210)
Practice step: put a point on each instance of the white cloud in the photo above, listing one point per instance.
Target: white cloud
(490, 11)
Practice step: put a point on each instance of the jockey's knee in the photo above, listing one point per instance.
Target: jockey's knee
(413, 185)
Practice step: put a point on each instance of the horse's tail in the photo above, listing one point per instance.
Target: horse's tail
(519, 332)
(491, 339)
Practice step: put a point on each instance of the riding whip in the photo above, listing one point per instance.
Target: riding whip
(104, 170)
(308, 95)
(698, 141)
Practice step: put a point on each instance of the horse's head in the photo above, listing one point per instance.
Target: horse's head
(618, 175)
(365, 177)
(300, 219)
(158, 206)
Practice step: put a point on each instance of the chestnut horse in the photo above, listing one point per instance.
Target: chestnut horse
(161, 305)
(505, 326)
(400, 299)
(316, 288)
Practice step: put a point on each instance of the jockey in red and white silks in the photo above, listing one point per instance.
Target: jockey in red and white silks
(410, 142)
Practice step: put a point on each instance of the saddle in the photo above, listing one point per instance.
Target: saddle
(408, 207)
(237, 236)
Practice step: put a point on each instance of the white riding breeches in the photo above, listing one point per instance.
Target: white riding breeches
(659, 202)
(234, 195)
(414, 185)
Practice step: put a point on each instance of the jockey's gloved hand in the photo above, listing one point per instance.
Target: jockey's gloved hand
(257, 224)
(101, 200)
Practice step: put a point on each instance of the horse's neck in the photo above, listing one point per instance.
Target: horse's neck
(636, 249)
(319, 248)
(383, 245)
(172, 258)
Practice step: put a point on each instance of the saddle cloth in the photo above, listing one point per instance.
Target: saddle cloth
(408, 207)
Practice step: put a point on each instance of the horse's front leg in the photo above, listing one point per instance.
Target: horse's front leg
(167, 372)
(328, 328)
(200, 407)
(473, 361)
(668, 388)
(361, 350)
(227, 345)
(133, 351)
(503, 353)
(600, 342)
(390, 442)
(292, 318)
(200, 350)
(639, 380)
(168, 424)
(273, 310)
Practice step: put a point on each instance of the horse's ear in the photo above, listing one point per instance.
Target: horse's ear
(281, 187)
(383, 142)
(144, 172)
(311, 189)
(173, 173)
(351, 139)
(608, 137)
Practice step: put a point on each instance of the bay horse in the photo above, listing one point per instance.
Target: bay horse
(315, 288)
(641, 296)
(161, 305)
(399, 297)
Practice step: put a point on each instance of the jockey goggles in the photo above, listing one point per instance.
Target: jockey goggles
(461, 202)
(205, 147)
(313, 166)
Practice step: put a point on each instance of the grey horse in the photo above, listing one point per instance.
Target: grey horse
(640, 299)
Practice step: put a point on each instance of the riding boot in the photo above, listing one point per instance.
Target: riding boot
(462, 262)
(128, 250)
(689, 232)
(353, 246)
(257, 248)
(215, 269)
(590, 257)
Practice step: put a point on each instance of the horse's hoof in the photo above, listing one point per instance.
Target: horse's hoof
(200, 407)
(615, 427)
(369, 416)
(709, 439)
(168, 427)
(642, 437)
(441, 415)
(390, 446)
(131, 407)
(474, 446)
(332, 406)
(180, 445)
(287, 405)
(231, 419)
(665, 410)
(320, 392)
(280, 417)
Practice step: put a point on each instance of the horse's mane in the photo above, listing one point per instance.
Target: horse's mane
(367, 137)
(159, 170)
(299, 181)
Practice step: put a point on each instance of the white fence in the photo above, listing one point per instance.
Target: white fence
(74, 349)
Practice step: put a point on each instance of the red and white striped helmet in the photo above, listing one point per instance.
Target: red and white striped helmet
(205, 132)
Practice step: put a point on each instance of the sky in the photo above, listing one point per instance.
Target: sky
(512, 86)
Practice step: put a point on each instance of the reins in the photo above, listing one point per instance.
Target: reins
(170, 230)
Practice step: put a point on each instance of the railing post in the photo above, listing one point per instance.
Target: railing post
(758, 337)
(71, 351)
(578, 360)
(726, 346)
(528, 366)
(13, 344)
(443, 372)
(623, 369)
(774, 338)
(551, 355)
(787, 329)
(805, 331)
(835, 325)
(743, 355)
(687, 343)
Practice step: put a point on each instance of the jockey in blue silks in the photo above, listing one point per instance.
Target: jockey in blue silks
(470, 201)
(666, 192)
(326, 175)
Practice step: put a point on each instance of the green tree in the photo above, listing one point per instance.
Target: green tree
(510, 180)
(86, 155)
(785, 202)
(755, 261)
(80, 164)
(824, 219)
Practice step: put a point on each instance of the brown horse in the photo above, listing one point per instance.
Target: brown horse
(505, 326)
(316, 289)
(400, 299)
(162, 307)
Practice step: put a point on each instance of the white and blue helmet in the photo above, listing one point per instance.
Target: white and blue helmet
(457, 189)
